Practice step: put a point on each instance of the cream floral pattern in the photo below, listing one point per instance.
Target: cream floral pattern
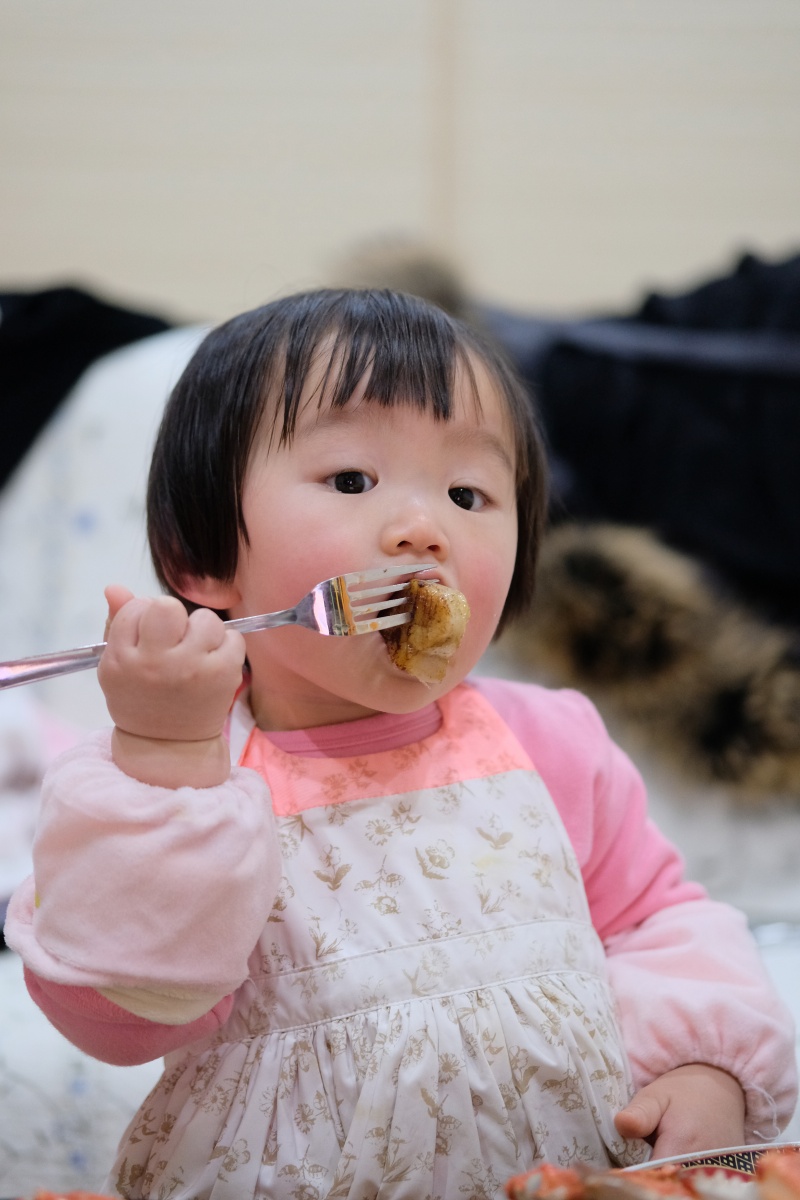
(427, 1011)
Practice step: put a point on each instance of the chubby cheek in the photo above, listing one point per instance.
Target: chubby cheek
(486, 607)
(486, 589)
(276, 573)
(287, 555)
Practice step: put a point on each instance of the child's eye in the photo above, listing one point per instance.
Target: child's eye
(466, 497)
(351, 482)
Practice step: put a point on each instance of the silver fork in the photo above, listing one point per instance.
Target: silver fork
(334, 606)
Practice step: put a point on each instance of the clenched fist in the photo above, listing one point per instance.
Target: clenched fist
(167, 677)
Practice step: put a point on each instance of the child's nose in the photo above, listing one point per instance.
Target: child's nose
(418, 530)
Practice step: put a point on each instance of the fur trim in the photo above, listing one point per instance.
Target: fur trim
(656, 642)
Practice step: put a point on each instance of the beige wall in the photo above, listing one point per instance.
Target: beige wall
(199, 157)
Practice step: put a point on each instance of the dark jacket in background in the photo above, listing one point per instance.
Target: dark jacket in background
(683, 417)
(47, 340)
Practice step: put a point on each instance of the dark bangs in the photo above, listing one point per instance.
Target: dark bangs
(248, 376)
(407, 350)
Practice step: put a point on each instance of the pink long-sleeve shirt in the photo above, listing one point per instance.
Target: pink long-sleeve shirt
(156, 897)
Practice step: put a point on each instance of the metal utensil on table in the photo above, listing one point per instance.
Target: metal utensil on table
(341, 607)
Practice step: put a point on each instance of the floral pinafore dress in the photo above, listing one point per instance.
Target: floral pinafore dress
(427, 1011)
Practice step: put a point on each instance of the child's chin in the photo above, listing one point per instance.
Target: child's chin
(406, 693)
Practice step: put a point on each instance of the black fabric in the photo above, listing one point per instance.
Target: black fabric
(756, 295)
(683, 417)
(47, 340)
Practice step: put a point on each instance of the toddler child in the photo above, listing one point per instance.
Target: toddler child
(418, 937)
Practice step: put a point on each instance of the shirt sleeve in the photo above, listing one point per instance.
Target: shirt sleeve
(104, 1030)
(691, 987)
(686, 972)
(153, 896)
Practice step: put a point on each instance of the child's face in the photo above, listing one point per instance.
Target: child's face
(368, 486)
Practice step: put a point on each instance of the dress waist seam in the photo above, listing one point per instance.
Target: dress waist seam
(547, 924)
(407, 1001)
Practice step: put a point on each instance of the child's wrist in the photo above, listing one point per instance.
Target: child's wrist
(164, 762)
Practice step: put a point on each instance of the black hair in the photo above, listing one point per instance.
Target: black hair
(253, 368)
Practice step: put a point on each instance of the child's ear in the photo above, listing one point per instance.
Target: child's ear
(209, 592)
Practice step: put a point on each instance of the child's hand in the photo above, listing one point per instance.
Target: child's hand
(169, 680)
(695, 1107)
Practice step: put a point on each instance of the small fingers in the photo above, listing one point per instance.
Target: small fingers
(641, 1117)
(206, 629)
(146, 624)
(116, 596)
(122, 627)
(154, 627)
(162, 624)
(208, 635)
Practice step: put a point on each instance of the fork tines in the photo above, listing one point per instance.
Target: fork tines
(355, 593)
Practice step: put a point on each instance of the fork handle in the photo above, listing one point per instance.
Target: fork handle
(254, 624)
(47, 666)
(66, 662)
